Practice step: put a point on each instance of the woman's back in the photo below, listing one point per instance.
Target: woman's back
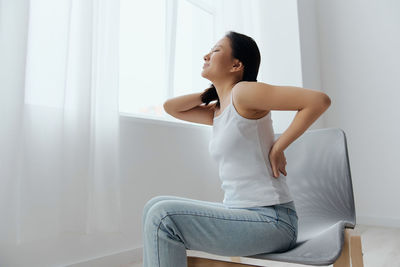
(241, 147)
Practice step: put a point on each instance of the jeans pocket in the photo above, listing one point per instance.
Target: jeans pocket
(267, 214)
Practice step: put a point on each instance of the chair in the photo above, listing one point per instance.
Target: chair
(318, 176)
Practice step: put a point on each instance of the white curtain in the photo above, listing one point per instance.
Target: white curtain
(59, 119)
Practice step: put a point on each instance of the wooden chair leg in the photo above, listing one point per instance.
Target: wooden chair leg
(344, 258)
(351, 250)
(356, 251)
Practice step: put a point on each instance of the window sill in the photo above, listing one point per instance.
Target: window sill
(159, 120)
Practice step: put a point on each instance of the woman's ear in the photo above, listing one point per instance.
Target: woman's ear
(237, 65)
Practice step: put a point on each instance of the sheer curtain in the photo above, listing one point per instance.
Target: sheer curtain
(59, 125)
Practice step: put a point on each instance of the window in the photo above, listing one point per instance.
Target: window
(162, 45)
(194, 38)
(142, 56)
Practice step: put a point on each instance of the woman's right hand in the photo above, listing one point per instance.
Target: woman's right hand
(278, 161)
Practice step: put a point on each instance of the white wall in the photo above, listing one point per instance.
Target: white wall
(309, 44)
(359, 65)
(163, 158)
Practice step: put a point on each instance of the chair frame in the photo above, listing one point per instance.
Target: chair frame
(351, 251)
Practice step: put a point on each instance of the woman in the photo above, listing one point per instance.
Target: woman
(258, 214)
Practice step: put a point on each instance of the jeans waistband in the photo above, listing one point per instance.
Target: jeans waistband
(289, 205)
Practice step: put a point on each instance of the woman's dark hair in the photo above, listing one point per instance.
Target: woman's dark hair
(245, 49)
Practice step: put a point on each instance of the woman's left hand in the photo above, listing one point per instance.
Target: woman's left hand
(278, 161)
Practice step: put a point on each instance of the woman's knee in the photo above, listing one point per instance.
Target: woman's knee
(157, 213)
(151, 203)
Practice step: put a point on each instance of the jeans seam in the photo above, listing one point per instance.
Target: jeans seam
(204, 215)
(158, 247)
(277, 216)
(290, 219)
(292, 229)
(293, 240)
(290, 244)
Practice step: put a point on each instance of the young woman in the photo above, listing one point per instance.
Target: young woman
(257, 214)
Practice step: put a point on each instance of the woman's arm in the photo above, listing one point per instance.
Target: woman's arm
(183, 103)
(302, 121)
(309, 103)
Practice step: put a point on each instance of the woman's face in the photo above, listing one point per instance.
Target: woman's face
(218, 61)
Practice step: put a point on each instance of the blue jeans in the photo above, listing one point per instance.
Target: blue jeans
(172, 224)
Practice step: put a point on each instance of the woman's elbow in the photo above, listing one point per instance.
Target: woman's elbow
(327, 100)
(324, 100)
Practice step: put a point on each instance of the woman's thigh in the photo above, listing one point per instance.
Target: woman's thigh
(156, 199)
(217, 229)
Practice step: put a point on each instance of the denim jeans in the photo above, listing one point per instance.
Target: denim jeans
(172, 224)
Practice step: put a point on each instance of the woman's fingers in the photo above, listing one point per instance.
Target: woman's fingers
(275, 171)
(278, 163)
(282, 170)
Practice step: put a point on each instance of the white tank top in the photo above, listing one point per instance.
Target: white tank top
(241, 147)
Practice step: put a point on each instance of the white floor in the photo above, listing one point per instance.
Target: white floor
(380, 246)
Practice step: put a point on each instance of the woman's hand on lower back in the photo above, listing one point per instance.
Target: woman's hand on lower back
(278, 161)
